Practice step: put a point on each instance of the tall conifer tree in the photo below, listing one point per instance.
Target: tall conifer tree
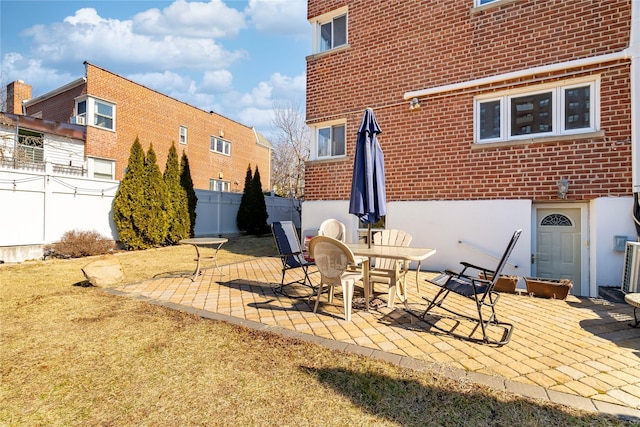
(127, 210)
(187, 184)
(259, 214)
(243, 220)
(177, 207)
(156, 226)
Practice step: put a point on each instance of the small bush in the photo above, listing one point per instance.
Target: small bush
(77, 244)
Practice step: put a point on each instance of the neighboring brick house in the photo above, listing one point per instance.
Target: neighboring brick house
(486, 107)
(116, 111)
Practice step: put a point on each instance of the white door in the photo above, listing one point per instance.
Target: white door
(558, 245)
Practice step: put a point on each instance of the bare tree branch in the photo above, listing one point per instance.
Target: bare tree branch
(291, 149)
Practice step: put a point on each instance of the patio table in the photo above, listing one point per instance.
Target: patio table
(205, 241)
(402, 253)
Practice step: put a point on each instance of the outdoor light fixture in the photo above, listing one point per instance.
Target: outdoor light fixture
(414, 104)
(220, 175)
(221, 133)
(563, 187)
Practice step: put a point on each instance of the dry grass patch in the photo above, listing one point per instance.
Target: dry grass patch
(74, 355)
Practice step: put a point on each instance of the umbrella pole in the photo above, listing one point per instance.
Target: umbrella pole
(369, 235)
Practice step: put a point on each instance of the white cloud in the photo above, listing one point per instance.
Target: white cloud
(260, 118)
(211, 19)
(281, 17)
(163, 81)
(217, 81)
(87, 36)
(32, 72)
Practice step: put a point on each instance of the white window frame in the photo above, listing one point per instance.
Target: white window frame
(92, 163)
(182, 135)
(219, 185)
(315, 138)
(91, 115)
(557, 90)
(326, 18)
(213, 145)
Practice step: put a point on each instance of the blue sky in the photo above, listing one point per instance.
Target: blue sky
(234, 57)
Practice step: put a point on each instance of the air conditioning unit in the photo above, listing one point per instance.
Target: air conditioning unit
(77, 120)
(631, 272)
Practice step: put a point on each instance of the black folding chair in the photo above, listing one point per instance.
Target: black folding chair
(290, 252)
(478, 289)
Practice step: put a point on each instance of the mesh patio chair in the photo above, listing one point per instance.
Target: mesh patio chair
(391, 272)
(333, 258)
(480, 291)
(290, 252)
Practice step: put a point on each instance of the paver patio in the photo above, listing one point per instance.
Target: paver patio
(579, 352)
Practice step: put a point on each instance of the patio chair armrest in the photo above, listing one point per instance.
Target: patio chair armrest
(472, 280)
(477, 267)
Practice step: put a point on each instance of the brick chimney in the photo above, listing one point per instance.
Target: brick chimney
(17, 92)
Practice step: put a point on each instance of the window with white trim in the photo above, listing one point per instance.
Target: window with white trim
(561, 108)
(95, 112)
(330, 141)
(183, 135)
(219, 145)
(219, 185)
(330, 30)
(101, 168)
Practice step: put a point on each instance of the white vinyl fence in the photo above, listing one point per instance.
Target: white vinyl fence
(37, 208)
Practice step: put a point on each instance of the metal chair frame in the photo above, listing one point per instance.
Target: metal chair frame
(290, 253)
(478, 289)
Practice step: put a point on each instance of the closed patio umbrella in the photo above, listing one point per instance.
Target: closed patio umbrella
(368, 192)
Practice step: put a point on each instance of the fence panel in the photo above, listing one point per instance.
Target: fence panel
(39, 207)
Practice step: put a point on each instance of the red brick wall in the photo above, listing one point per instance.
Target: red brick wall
(155, 119)
(429, 152)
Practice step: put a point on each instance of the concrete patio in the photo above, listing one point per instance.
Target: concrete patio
(580, 352)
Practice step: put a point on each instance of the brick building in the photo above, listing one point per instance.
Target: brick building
(116, 111)
(487, 108)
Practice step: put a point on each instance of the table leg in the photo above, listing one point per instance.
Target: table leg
(215, 258)
(197, 272)
(365, 281)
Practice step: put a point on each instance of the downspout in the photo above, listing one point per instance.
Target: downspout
(634, 53)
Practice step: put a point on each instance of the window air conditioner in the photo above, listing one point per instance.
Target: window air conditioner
(631, 272)
(77, 120)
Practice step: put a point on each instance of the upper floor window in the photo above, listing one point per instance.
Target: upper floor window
(219, 145)
(330, 141)
(330, 30)
(333, 33)
(95, 112)
(183, 135)
(219, 185)
(561, 108)
(483, 2)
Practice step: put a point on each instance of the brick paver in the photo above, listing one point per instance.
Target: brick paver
(581, 346)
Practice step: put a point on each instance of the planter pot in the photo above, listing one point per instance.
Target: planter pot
(506, 284)
(548, 288)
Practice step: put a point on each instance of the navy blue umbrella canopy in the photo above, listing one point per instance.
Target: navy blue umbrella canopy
(368, 199)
